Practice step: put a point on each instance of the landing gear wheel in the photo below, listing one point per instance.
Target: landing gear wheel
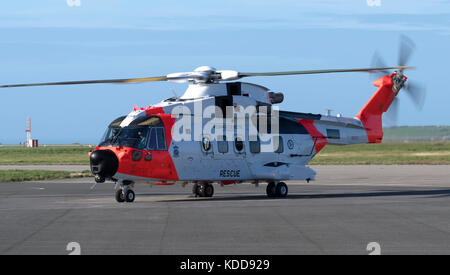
(205, 190)
(271, 189)
(195, 190)
(119, 196)
(209, 190)
(281, 190)
(99, 179)
(129, 196)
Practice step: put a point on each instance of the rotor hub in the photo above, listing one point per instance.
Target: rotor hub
(206, 69)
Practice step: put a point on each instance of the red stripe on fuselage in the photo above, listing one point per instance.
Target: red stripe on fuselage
(319, 139)
(153, 111)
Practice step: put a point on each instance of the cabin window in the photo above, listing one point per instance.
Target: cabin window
(238, 145)
(333, 134)
(280, 148)
(291, 127)
(255, 146)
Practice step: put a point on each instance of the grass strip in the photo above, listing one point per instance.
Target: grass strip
(36, 175)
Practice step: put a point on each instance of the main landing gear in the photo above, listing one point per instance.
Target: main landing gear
(279, 190)
(203, 190)
(125, 193)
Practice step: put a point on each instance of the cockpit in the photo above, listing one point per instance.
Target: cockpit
(145, 133)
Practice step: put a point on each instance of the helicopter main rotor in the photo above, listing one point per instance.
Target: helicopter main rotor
(205, 74)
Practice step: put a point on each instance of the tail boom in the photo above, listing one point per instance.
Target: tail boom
(371, 114)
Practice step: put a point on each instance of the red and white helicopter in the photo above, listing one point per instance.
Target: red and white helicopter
(188, 139)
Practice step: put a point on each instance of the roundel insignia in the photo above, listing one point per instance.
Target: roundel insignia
(176, 152)
(290, 144)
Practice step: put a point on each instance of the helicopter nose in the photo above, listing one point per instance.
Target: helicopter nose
(104, 163)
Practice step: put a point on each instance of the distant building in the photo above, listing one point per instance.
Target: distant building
(30, 142)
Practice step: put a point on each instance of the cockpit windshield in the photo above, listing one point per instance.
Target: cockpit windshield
(135, 137)
(143, 134)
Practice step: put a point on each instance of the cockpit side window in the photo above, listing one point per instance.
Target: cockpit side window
(153, 143)
(161, 138)
(142, 137)
(157, 139)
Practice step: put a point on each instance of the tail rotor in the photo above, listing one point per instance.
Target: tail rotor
(415, 91)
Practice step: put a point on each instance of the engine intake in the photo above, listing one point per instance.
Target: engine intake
(276, 98)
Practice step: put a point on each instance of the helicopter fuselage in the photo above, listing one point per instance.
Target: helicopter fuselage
(149, 148)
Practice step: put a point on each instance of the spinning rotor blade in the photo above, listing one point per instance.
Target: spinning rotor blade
(378, 66)
(417, 93)
(377, 61)
(124, 81)
(406, 49)
(325, 71)
(392, 113)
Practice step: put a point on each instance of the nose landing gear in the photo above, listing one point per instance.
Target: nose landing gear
(120, 197)
(99, 179)
(125, 193)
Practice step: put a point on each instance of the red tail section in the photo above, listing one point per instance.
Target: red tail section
(371, 114)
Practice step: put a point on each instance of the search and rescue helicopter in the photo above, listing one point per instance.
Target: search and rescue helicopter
(141, 147)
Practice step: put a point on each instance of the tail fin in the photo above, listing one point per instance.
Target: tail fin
(371, 114)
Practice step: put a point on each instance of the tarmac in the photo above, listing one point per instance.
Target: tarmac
(404, 209)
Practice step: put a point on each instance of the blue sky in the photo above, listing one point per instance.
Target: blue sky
(48, 40)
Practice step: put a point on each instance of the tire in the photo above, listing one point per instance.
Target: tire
(119, 196)
(201, 190)
(271, 189)
(99, 179)
(209, 190)
(281, 190)
(195, 189)
(130, 196)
